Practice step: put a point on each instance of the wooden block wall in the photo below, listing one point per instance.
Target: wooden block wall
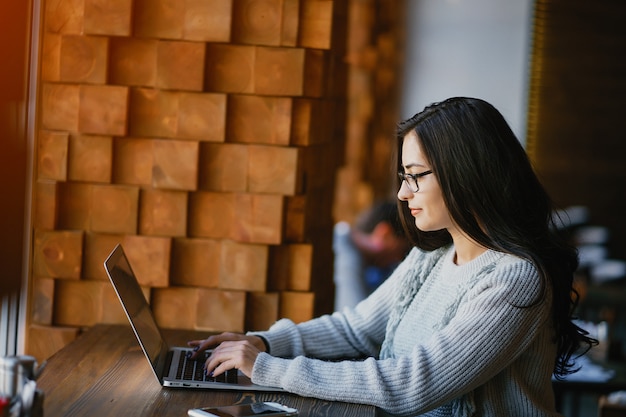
(375, 54)
(200, 134)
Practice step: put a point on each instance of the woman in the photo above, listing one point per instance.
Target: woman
(477, 317)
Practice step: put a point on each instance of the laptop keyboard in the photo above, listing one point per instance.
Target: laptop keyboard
(193, 370)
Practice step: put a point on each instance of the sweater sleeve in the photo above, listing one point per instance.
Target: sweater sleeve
(350, 334)
(495, 323)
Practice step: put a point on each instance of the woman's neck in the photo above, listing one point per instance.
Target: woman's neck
(465, 249)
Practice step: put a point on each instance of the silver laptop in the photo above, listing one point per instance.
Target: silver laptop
(170, 364)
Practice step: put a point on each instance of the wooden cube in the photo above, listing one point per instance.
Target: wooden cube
(52, 155)
(64, 16)
(257, 119)
(322, 269)
(78, 303)
(42, 299)
(267, 176)
(180, 65)
(150, 259)
(316, 24)
(163, 213)
(230, 68)
(175, 164)
(211, 215)
(45, 341)
(319, 164)
(195, 262)
(202, 117)
(208, 21)
(279, 71)
(83, 59)
(108, 17)
(220, 310)
(296, 219)
(313, 122)
(97, 248)
(291, 267)
(59, 106)
(297, 306)
(317, 63)
(290, 23)
(161, 19)
(257, 22)
(175, 307)
(258, 218)
(103, 109)
(243, 266)
(114, 209)
(51, 57)
(45, 205)
(133, 61)
(223, 167)
(303, 121)
(90, 158)
(261, 310)
(301, 263)
(153, 113)
(58, 254)
(74, 206)
(132, 161)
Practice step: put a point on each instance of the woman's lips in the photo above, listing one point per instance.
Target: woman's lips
(415, 211)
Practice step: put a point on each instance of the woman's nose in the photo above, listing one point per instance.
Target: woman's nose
(404, 194)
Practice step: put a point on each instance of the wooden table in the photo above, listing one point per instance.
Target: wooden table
(104, 373)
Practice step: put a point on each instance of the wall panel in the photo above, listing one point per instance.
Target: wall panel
(576, 111)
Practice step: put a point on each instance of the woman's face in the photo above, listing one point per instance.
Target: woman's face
(426, 205)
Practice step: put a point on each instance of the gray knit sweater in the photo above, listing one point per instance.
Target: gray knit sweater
(436, 339)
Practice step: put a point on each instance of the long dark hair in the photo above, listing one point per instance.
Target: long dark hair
(494, 196)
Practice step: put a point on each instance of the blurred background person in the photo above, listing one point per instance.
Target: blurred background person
(367, 252)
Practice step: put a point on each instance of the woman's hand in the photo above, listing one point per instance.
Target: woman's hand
(231, 351)
(239, 354)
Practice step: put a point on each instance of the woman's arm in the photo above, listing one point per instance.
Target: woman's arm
(349, 334)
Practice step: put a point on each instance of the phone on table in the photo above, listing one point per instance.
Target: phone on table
(243, 410)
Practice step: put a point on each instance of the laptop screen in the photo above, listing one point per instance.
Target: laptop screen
(137, 308)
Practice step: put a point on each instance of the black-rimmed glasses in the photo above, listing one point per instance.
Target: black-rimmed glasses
(411, 179)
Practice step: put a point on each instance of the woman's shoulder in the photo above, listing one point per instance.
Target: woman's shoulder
(514, 264)
(518, 275)
(417, 254)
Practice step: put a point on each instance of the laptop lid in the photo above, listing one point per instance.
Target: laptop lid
(137, 310)
(155, 349)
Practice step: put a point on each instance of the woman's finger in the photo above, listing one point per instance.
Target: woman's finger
(211, 341)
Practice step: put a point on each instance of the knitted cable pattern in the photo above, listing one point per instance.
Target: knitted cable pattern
(411, 284)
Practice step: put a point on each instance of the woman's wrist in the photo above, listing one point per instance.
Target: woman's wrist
(264, 345)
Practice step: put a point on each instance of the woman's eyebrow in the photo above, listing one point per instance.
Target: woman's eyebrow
(414, 165)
